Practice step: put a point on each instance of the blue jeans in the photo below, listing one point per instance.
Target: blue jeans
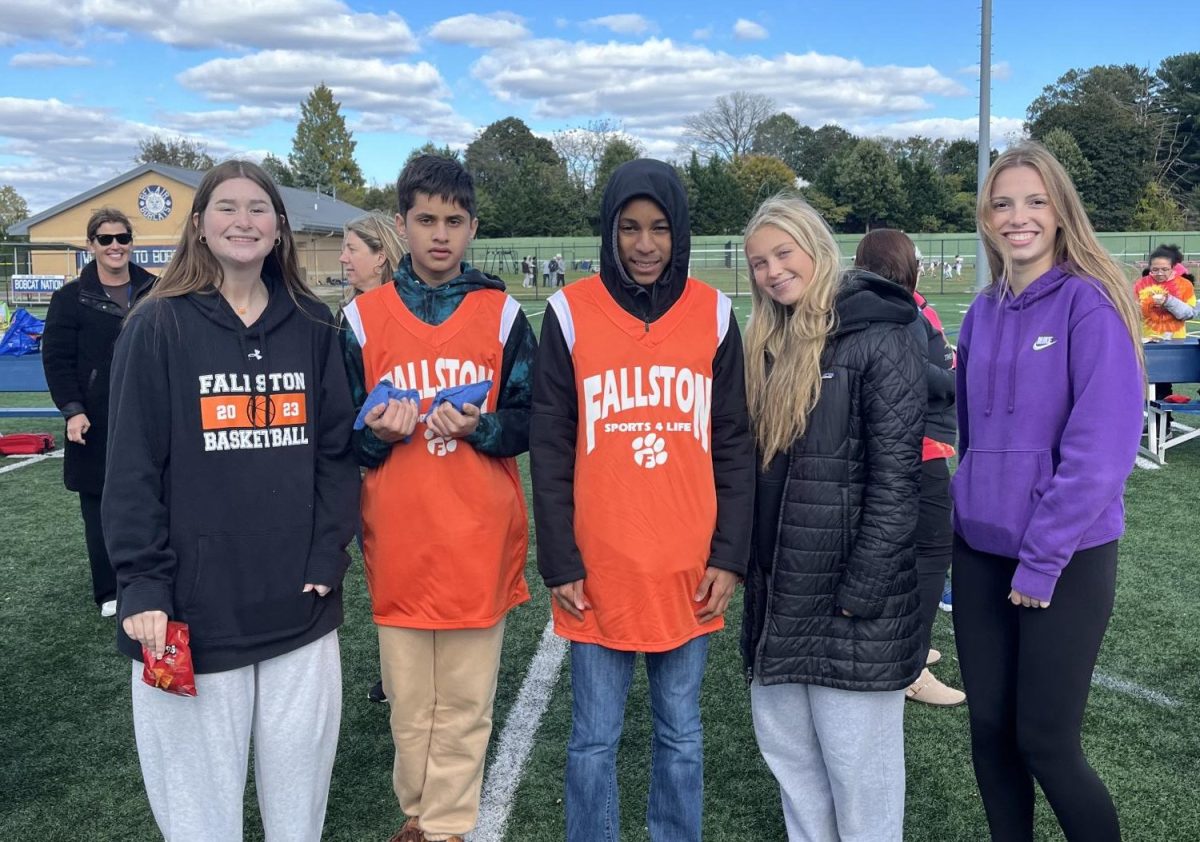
(600, 679)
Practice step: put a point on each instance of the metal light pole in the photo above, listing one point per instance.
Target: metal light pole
(983, 274)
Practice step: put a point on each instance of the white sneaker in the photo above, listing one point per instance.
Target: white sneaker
(109, 609)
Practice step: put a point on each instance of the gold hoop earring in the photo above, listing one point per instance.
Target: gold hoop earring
(203, 240)
(278, 240)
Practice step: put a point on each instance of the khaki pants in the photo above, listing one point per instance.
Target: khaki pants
(440, 685)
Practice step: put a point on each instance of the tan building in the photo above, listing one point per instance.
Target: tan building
(157, 198)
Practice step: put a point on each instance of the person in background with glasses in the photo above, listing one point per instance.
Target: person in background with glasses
(1166, 296)
(77, 350)
(1167, 299)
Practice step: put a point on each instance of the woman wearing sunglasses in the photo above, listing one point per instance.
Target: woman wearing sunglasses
(77, 350)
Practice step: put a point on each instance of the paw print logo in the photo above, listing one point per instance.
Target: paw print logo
(439, 446)
(649, 451)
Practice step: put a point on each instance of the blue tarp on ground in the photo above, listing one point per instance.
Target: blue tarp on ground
(23, 336)
(22, 374)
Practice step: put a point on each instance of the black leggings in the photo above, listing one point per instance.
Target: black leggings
(1027, 673)
(935, 541)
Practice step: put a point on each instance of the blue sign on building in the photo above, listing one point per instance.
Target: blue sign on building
(148, 257)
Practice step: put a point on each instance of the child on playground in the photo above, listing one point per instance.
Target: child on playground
(642, 495)
(445, 529)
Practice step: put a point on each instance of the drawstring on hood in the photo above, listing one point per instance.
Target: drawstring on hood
(657, 181)
(253, 358)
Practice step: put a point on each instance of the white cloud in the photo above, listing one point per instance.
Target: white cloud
(240, 120)
(624, 24)
(36, 20)
(411, 97)
(656, 84)
(326, 25)
(43, 61)
(496, 30)
(1001, 71)
(702, 34)
(748, 30)
(1003, 129)
(65, 149)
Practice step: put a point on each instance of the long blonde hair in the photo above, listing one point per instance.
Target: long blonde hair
(1075, 242)
(784, 344)
(378, 233)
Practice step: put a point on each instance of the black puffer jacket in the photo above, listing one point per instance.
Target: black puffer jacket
(836, 515)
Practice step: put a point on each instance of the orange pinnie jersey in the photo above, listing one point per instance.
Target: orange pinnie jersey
(444, 526)
(645, 498)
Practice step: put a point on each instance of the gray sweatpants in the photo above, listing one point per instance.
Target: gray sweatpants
(839, 758)
(194, 751)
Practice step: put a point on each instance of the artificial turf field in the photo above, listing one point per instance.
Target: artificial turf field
(68, 765)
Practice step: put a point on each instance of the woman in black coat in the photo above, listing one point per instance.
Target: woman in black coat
(77, 350)
(835, 381)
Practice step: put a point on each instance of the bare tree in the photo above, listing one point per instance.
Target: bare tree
(582, 148)
(727, 129)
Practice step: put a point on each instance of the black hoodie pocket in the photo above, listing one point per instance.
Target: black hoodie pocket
(248, 586)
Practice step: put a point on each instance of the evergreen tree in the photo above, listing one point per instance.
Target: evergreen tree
(322, 156)
(278, 171)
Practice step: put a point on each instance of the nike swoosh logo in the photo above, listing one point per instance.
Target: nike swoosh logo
(1042, 345)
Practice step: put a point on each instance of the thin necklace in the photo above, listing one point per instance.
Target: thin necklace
(241, 311)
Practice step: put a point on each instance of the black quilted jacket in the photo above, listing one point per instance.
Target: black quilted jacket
(836, 515)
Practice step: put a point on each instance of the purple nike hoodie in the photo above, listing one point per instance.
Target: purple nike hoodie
(1050, 400)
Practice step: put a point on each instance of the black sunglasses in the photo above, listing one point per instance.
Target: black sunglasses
(106, 239)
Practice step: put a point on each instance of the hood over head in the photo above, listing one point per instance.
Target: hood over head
(659, 182)
(865, 297)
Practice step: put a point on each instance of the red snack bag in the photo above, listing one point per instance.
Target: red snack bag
(173, 671)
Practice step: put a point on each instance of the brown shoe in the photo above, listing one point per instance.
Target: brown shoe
(933, 657)
(929, 690)
(409, 832)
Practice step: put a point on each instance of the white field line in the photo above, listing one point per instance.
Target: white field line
(30, 460)
(1120, 685)
(535, 315)
(516, 739)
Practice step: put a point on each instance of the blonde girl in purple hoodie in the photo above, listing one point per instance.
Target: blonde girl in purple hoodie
(1050, 388)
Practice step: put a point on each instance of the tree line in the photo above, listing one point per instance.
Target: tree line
(1129, 137)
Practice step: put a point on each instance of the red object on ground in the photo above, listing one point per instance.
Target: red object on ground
(173, 671)
(24, 444)
(1177, 399)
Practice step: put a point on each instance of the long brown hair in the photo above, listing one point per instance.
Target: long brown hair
(1075, 241)
(782, 392)
(195, 269)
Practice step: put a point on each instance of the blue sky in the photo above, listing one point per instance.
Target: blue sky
(83, 80)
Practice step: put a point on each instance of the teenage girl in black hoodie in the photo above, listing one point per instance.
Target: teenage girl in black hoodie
(231, 495)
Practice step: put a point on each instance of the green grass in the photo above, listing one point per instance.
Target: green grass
(68, 764)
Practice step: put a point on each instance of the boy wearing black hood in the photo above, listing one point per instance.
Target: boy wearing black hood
(643, 475)
(444, 524)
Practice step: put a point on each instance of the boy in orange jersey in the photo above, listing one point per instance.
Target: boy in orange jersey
(643, 476)
(444, 523)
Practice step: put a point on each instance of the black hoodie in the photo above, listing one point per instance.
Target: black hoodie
(554, 421)
(230, 482)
